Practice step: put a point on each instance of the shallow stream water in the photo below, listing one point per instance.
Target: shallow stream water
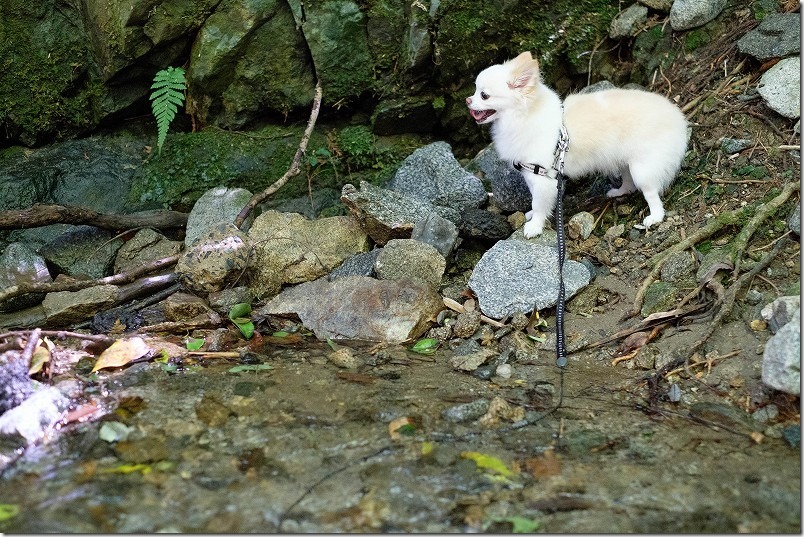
(305, 446)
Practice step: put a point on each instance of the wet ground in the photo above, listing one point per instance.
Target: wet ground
(407, 443)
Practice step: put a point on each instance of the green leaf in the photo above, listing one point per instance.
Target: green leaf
(169, 86)
(8, 511)
(487, 462)
(239, 316)
(194, 344)
(426, 346)
(249, 367)
(281, 333)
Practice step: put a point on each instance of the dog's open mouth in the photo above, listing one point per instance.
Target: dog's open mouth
(481, 115)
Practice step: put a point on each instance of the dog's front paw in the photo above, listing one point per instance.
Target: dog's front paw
(652, 219)
(533, 228)
(529, 215)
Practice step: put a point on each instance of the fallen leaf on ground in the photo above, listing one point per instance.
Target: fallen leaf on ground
(122, 352)
(487, 462)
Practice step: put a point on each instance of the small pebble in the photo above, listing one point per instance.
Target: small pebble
(505, 371)
(674, 393)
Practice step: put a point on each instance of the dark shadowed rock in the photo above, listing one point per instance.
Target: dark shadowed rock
(21, 265)
(777, 36)
(83, 251)
(508, 189)
(357, 265)
(360, 308)
(483, 224)
(438, 232)
(147, 245)
(67, 307)
(515, 276)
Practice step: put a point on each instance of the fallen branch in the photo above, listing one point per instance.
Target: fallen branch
(44, 214)
(77, 285)
(256, 199)
(59, 334)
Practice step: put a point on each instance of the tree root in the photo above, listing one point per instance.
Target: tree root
(729, 218)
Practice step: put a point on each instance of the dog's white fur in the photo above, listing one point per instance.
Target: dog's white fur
(638, 135)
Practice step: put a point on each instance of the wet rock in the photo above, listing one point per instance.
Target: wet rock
(483, 224)
(792, 435)
(517, 276)
(410, 259)
(211, 411)
(146, 246)
(19, 265)
(345, 358)
(469, 355)
(357, 265)
(688, 14)
(83, 251)
(215, 261)
(777, 36)
(659, 296)
(466, 324)
(386, 214)
(466, 411)
(781, 360)
(438, 232)
(780, 86)
(509, 192)
(65, 308)
(289, 248)
(433, 175)
(32, 419)
(152, 448)
(580, 226)
(628, 22)
(734, 145)
(781, 311)
(357, 307)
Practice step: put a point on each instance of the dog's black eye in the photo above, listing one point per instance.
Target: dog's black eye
(484, 95)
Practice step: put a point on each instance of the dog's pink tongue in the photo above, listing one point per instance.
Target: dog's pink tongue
(480, 114)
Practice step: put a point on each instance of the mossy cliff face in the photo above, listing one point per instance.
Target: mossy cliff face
(69, 68)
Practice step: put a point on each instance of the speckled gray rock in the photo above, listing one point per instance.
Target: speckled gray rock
(629, 21)
(734, 145)
(438, 232)
(466, 324)
(386, 214)
(21, 265)
(466, 411)
(517, 276)
(217, 205)
(215, 260)
(410, 259)
(432, 174)
(508, 189)
(688, 14)
(780, 86)
(597, 86)
(358, 307)
(781, 360)
(777, 36)
(658, 5)
(678, 266)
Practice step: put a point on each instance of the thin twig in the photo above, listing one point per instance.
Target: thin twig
(256, 199)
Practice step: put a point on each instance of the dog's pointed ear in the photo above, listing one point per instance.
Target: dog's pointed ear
(524, 71)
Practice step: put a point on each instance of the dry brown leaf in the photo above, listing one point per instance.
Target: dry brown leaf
(122, 352)
(547, 465)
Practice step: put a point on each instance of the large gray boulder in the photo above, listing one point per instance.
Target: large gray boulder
(517, 276)
(777, 36)
(780, 86)
(360, 308)
(781, 359)
(688, 14)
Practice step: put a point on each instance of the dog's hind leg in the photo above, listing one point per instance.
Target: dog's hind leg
(648, 180)
(626, 188)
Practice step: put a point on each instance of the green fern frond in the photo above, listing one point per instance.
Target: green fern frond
(169, 86)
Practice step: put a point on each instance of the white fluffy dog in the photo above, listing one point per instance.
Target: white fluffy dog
(638, 135)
